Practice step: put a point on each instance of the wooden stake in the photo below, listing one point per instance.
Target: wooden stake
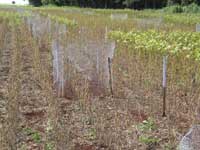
(164, 102)
(31, 29)
(110, 75)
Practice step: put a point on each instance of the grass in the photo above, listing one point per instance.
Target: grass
(85, 116)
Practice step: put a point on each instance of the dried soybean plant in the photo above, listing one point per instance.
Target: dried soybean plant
(14, 89)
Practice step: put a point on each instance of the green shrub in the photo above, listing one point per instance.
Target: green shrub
(192, 8)
(174, 9)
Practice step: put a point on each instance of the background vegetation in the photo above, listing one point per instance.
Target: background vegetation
(137, 4)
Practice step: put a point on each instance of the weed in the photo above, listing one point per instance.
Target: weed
(91, 134)
(148, 140)
(34, 134)
(147, 125)
(49, 146)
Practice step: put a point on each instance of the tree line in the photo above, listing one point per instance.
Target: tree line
(137, 4)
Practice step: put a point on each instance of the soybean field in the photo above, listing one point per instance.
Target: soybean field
(97, 79)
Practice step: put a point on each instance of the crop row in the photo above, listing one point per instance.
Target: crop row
(10, 17)
(59, 19)
(184, 44)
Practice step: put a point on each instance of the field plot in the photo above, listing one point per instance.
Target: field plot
(91, 79)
